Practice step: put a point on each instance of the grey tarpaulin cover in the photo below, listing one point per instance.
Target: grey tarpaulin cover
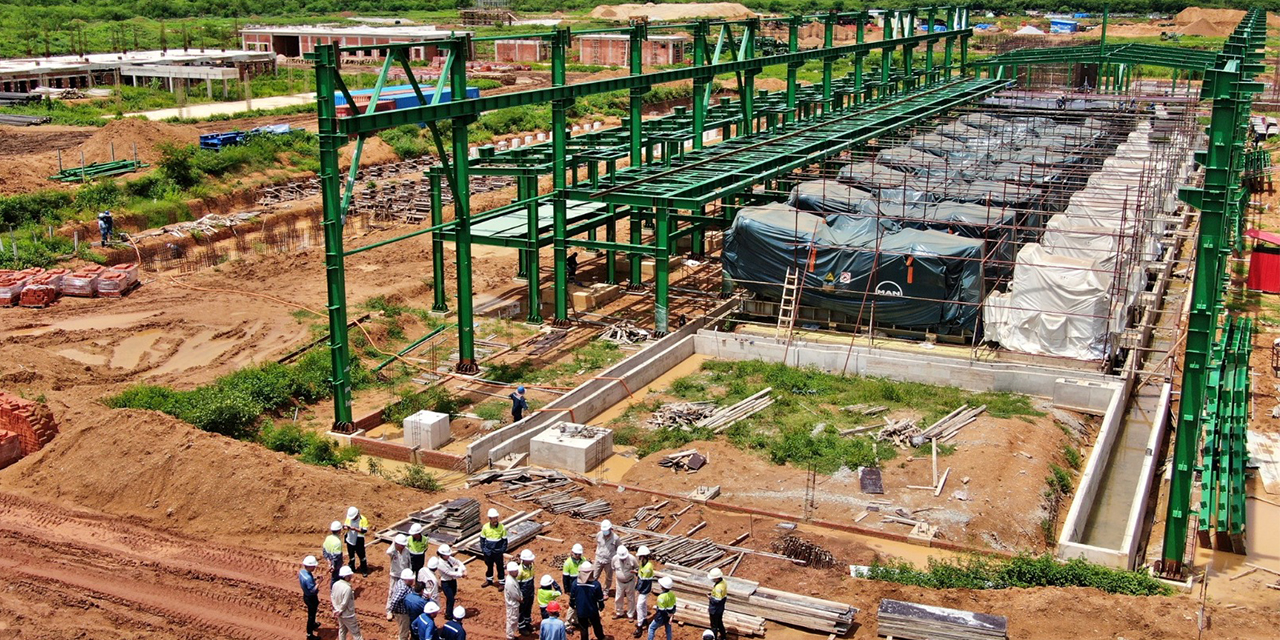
(918, 279)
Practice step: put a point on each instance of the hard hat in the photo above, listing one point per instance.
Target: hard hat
(513, 567)
(708, 634)
(352, 512)
(408, 574)
(621, 552)
(715, 574)
(445, 550)
(605, 526)
(335, 526)
(553, 607)
(577, 548)
(642, 551)
(344, 571)
(415, 529)
(459, 613)
(432, 608)
(546, 580)
(310, 561)
(433, 563)
(520, 389)
(586, 566)
(401, 540)
(666, 583)
(526, 556)
(493, 513)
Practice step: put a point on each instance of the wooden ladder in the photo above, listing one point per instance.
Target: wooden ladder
(790, 300)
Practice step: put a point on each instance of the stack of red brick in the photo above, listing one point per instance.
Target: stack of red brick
(37, 287)
(42, 290)
(29, 424)
(13, 282)
(118, 280)
(84, 282)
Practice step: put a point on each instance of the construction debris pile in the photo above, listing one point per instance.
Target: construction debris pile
(625, 332)
(689, 460)
(452, 520)
(681, 415)
(898, 432)
(748, 602)
(206, 225)
(551, 490)
(813, 555)
(945, 430)
(910, 621)
(688, 416)
(37, 287)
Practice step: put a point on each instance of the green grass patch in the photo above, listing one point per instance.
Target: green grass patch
(307, 446)
(1072, 456)
(491, 410)
(926, 450)
(1020, 572)
(591, 357)
(435, 399)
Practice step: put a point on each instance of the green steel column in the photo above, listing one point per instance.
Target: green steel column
(462, 213)
(859, 62)
(886, 54)
(908, 52)
(559, 153)
(326, 57)
(928, 48)
(747, 92)
(1106, 17)
(949, 43)
(639, 33)
(793, 45)
(528, 187)
(962, 14)
(611, 256)
(438, 303)
(634, 259)
(828, 41)
(697, 239)
(661, 269)
(701, 29)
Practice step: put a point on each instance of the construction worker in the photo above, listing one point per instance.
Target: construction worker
(397, 562)
(106, 227)
(450, 570)
(548, 591)
(452, 630)
(356, 526)
(644, 585)
(417, 546)
(493, 543)
(430, 583)
(332, 550)
(606, 546)
(589, 602)
(344, 606)
(527, 595)
(624, 592)
(716, 601)
(395, 604)
(310, 595)
(569, 576)
(514, 598)
(424, 627)
(518, 404)
(414, 604)
(552, 627)
(664, 610)
(571, 267)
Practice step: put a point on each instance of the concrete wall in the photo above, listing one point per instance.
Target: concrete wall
(1090, 483)
(1137, 513)
(912, 367)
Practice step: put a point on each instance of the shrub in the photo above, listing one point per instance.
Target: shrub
(416, 476)
(178, 165)
(1073, 457)
(30, 207)
(1023, 571)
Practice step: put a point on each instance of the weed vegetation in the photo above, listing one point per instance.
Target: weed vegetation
(1020, 572)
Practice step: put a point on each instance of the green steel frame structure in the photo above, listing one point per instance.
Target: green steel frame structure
(671, 178)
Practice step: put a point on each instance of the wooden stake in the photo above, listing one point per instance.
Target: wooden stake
(942, 483)
(935, 460)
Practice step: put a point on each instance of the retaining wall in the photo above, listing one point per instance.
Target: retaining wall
(1090, 483)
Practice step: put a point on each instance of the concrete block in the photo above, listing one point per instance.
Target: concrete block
(595, 296)
(572, 447)
(426, 429)
(646, 266)
(1086, 396)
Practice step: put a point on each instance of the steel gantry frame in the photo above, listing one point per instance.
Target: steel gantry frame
(773, 134)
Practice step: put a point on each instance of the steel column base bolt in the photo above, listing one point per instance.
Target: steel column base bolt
(561, 322)
(467, 366)
(637, 287)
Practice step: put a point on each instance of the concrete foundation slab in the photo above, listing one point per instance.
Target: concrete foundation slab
(426, 430)
(572, 447)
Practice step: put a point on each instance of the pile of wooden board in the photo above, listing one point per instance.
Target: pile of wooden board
(749, 598)
(899, 432)
(452, 520)
(946, 429)
(726, 417)
(679, 415)
(521, 528)
(910, 621)
(695, 613)
(689, 460)
(547, 488)
(624, 332)
(439, 522)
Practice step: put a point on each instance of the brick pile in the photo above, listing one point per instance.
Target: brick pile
(118, 280)
(42, 290)
(10, 448)
(13, 282)
(84, 282)
(31, 422)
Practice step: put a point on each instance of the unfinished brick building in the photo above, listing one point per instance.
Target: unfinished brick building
(612, 49)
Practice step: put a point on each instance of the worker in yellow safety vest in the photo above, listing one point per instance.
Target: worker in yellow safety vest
(548, 591)
(716, 601)
(665, 610)
(569, 577)
(525, 580)
(331, 549)
(417, 546)
(644, 585)
(493, 543)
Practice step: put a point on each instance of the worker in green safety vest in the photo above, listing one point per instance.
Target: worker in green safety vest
(569, 577)
(716, 601)
(665, 610)
(548, 591)
(417, 546)
(331, 549)
(493, 543)
(527, 591)
(644, 585)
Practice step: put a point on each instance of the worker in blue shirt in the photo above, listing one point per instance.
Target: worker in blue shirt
(518, 404)
(588, 602)
(310, 595)
(452, 630)
(424, 626)
(552, 626)
(414, 602)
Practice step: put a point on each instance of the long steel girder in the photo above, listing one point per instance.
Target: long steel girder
(1155, 55)
(702, 177)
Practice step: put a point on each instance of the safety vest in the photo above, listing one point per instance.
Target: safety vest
(667, 601)
(417, 547)
(526, 573)
(545, 596)
(332, 544)
(646, 571)
(571, 566)
(720, 590)
(490, 532)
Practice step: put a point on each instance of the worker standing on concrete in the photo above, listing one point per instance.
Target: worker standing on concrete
(450, 571)
(606, 546)
(665, 608)
(548, 591)
(552, 628)
(452, 630)
(518, 404)
(624, 592)
(344, 606)
(716, 601)
(525, 580)
(430, 583)
(424, 627)
(589, 599)
(514, 599)
(417, 546)
(356, 526)
(395, 604)
(332, 550)
(569, 574)
(106, 227)
(644, 585)
(397, 562)
(493, 543)
(310, 595)
(571, 268)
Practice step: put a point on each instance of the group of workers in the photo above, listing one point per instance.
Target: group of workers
(417, 583)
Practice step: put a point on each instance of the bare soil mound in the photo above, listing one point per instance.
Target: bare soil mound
(1203, 27)
(660, 12)
(126, 133)
(1193, 14)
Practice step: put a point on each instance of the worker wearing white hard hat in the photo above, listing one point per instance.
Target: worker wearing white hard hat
(343, 599)
(356, 526)
(665, 609)
(430, 583)
(397, 562)
(606, 546)
(424, 627)
(548, 592)
(493, 544)
(513, 598)
(524, 579)
(396, 609)
(624, 592)
(417, 546)
(452, 630)
(331, 550)
(716, 603)
(588, 600)
(644, 586)
(450, 571)
(310, 594)
(569, 577)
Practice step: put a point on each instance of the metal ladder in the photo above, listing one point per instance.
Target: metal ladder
(790, 300)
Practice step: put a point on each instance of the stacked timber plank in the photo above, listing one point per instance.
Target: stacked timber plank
(945, 430)
(695, 613)
(549, 489)
(749, 598)
(899, 432)
(451, 520)
(728, 416)
(910, 621)
(680, 415)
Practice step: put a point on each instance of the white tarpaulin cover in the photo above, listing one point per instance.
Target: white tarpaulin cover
(1056, 305)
